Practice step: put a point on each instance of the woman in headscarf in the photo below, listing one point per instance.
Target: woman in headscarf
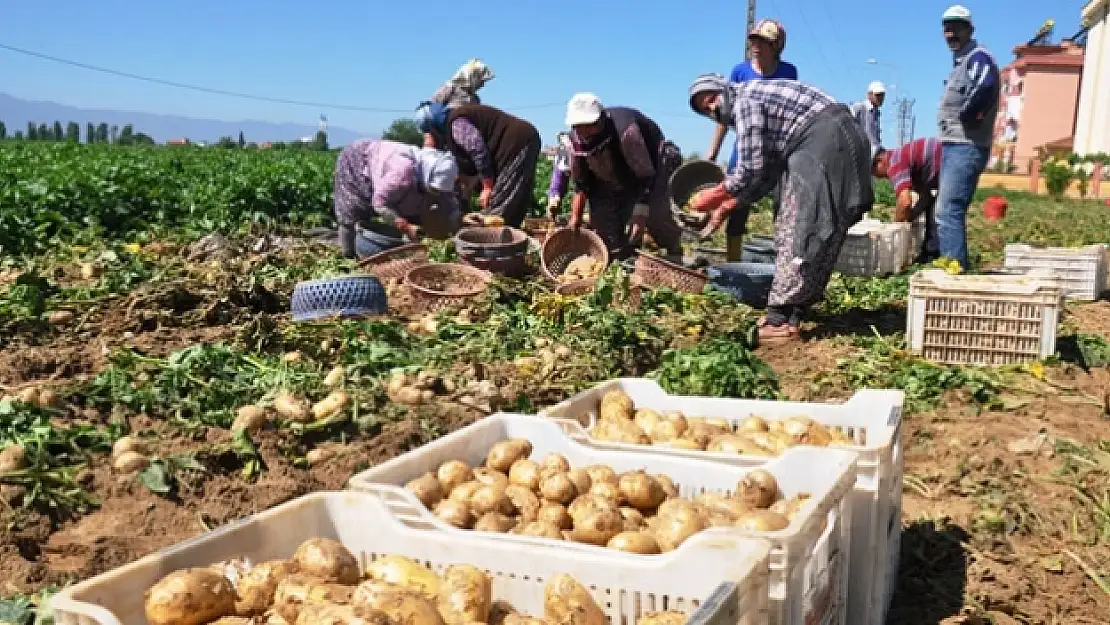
(794, 135)
(464, 85)
(621, 165)
(410, 190)
(495, 146)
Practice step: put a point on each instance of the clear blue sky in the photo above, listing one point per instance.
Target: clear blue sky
(388, 54)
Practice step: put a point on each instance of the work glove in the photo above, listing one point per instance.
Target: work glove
(411, 230)
(718, 216)
(709, 200)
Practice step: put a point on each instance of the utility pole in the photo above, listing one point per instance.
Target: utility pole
(905, 120)
(751, 27)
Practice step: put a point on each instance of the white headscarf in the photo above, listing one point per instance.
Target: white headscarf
(436, 169)
(472, 76)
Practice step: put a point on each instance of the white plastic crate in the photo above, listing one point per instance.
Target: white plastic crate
(1082, 270)
(875, 248)
(871, 418)
(983, 319)
(808, 559)
(702, 582)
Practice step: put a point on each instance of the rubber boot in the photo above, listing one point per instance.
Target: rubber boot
(735, 249)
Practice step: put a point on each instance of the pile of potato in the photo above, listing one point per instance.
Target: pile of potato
(620, 422)
(584, 267)
(425, 387)
(632, 511)
(321, 585)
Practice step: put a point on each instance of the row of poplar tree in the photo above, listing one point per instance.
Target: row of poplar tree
(94, 133)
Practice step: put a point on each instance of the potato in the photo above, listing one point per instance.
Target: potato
(554, 462)
(758, 489)
(634, 542)
(589, 503)
(189, 597)
(601, 473)
(29, 395)
(641, 491)
(490, 498)
(620, 432)
(336, 376)
(723, 505)
(684, 443)
(127, 443)
(762, 521)
(130, 462)
(490, 477)
(647, 419)
(736, 444)
(48, 398)
(666, 431)
(465, 596)
(667, 484)
(406, 573)
(60, 318)
(464, 492)
(556, 514)
(14, 458)
(566, 602)
(257, 587)
(289, 406)
(249, 419)
(341, 615)
(526, 473)
(771, 444)
(494, 522)
(326, 559)
(581, 480)
(676, 507)
(454, 513)
(789, 508)
(608, 490)
(557, 487)
(331, 405)
(400, 604)
(597, 527)
(426, 488)
(720, 423)
(500, 611)
(753, 423)
(524, 502)
(408, 395)
(616, 406)
(670, 617)
(542, 529)
(453, 473)
(633, 519)
(673, 530)
(521, 619)
(504, 453)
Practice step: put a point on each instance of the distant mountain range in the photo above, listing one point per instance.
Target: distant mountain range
(16, 113)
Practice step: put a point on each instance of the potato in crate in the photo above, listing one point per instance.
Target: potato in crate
(341, 557)
(640, 415)
(523, 479)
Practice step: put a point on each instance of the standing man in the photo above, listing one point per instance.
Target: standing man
(914, 168)
(866, 112)
(966, 122)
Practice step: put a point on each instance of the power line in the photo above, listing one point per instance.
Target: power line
(232, 94)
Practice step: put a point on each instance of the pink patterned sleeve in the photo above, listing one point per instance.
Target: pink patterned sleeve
(396, 176)
(636, 153)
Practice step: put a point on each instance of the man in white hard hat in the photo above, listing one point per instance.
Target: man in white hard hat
(866, 112)
(965, 120)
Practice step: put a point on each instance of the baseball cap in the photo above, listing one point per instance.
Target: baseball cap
(769, 30)
(876, 87)
(956, 13)
(583, 108)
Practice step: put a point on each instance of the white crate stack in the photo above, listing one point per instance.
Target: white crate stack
(984, 319)
(809, 560)
(709, 588)
(875, 248)
(871, 418)
(1081, 269)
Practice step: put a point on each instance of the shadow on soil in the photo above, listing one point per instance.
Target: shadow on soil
(887, 321)
(932, 574)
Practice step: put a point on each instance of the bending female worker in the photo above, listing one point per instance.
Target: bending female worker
(489, 143)
(792, 134)
(620, 165)
(410, 189)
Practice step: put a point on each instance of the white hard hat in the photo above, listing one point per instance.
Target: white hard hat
(876, 87)
(956, 13)
(583, 108)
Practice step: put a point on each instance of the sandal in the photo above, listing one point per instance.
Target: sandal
(776, 335)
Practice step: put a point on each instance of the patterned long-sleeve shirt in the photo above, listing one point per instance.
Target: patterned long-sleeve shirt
(766, 116)
(915, 166)
(867, 114)
(467, 137)
(376, 177)
(560, 172)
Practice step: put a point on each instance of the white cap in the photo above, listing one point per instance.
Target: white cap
(956, 13)
(876, 87)
(583, 108)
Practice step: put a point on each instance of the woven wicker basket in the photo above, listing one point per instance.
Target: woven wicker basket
(654, 272)
(491, 241)
(564, 245)
(427, 295)
(397, 262)
(514, 266)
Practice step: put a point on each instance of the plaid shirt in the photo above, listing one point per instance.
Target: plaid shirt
(767, 114)
(916, 166)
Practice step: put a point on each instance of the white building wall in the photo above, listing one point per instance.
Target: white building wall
(1092, 126)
